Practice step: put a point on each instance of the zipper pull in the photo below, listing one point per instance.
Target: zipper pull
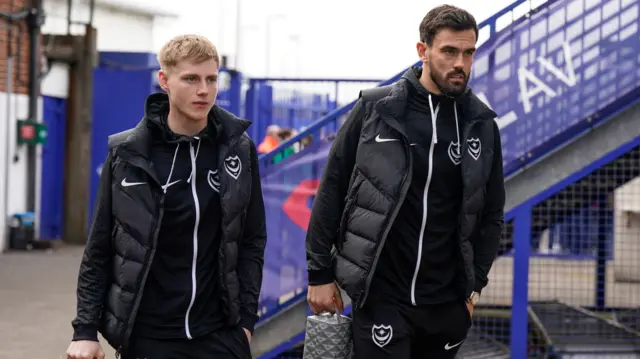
(435, 132)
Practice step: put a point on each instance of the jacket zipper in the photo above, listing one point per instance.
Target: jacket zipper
(425, 198)
(196, 204)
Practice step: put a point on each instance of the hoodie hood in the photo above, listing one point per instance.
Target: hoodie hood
(423, 101)
(156, 112)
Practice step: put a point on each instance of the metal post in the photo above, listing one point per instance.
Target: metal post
(69, 8)
(519, 306)
(92, 9)
(35, 20)
(601, 254)
(7, 146)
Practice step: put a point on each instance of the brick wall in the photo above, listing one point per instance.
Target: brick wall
(20, 30)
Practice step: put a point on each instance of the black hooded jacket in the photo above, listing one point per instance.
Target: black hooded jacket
(366, 181)
(143, 237)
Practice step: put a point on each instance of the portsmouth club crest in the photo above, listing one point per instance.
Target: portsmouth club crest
(213, 178)
(233, 166)
(454, 153)
(475, 147)
(381, 334)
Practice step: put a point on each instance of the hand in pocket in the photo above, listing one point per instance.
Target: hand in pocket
(469, 308)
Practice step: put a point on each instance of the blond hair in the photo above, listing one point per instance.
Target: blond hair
(187, 47)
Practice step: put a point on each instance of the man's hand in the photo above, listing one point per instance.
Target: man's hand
(324, 298)
(469, 308)
(85, 349)
(248, 333)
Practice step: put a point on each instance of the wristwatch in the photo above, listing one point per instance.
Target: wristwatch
(473, 298)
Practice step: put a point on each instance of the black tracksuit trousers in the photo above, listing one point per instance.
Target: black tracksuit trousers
(222, 344)
(382, 329)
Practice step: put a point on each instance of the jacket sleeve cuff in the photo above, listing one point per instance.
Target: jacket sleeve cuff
(248, 320)
(478, 288)
(320, 276)
(85, 332)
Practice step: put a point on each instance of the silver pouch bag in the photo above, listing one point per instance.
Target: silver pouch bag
(327, 336)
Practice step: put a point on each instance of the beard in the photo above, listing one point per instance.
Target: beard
(447, 88)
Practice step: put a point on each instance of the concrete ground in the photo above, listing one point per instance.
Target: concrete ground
(37, 303)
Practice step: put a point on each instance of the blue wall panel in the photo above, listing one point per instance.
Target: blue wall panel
(53, 157)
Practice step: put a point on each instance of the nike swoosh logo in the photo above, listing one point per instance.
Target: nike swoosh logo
(449, 347)
(380, 140)
(414, 144)
(129, 184)
(170, 184)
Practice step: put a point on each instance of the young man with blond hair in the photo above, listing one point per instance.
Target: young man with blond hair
(173, 263)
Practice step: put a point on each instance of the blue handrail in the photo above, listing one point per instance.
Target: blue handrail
(491, 23)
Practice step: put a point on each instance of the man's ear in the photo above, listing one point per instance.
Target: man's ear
(421, 48)
(163, 80)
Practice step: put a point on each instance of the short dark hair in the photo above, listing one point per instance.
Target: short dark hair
(446, 17)
(285, 133)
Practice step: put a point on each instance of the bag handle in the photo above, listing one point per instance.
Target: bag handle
(336, 313)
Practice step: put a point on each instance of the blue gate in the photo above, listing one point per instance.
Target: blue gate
(54, 114)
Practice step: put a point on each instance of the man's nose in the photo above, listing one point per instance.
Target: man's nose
(458, 64)
(203, 89)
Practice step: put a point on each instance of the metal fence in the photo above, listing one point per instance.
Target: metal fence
(573, 280)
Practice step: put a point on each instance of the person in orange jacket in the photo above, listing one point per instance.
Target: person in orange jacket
(271, 140)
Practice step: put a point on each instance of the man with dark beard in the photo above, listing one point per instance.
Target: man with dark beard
(408, 216)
